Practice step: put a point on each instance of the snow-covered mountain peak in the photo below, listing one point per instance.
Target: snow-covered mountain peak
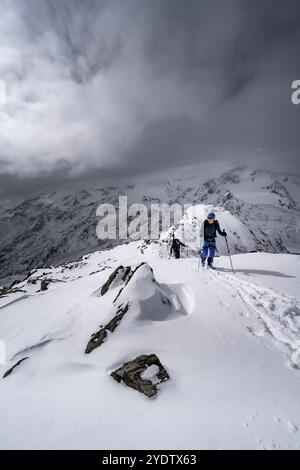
(57, 226)
(188, 228)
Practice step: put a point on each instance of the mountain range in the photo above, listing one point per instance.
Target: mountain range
(260, 211)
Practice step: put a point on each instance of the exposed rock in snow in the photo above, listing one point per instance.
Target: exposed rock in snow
(141, 290)
(44, 284)
(9, 371)
(9, 290)
(151, 301)
(116, 278)
(128, 275)
(136, 375)
(284, 198)
(98, 338)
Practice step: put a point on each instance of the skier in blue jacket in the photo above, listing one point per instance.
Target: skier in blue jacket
(208, 233)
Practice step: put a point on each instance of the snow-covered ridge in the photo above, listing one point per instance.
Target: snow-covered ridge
(229, 343)
(187, 229)
(60, 226)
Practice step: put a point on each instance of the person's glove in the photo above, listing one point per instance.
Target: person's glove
(224, 233)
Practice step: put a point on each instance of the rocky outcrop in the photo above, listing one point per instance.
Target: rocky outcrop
(119, 275)
(9, 371)
(44, 284)
(284, 198)
(131, 373)
(129, 276)
(98, 338)
(4, 291)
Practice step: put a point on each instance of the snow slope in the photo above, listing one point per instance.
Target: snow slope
(58, 226)
(230, 343)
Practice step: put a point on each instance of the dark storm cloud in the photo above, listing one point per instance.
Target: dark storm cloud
(108, 87)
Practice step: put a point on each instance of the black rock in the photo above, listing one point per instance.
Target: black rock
(98, 338)
(9, 371)
(112, 277)
(130, 373)
(44, 284)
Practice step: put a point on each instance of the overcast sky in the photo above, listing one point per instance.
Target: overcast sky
(114, 87)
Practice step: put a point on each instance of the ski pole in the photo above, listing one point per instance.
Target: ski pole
(229, 254)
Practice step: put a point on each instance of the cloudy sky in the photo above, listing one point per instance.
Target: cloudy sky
(111, 87)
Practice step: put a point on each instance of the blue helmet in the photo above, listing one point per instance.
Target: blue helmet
(211, 215)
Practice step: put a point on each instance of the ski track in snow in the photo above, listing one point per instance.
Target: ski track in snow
(279, 313)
